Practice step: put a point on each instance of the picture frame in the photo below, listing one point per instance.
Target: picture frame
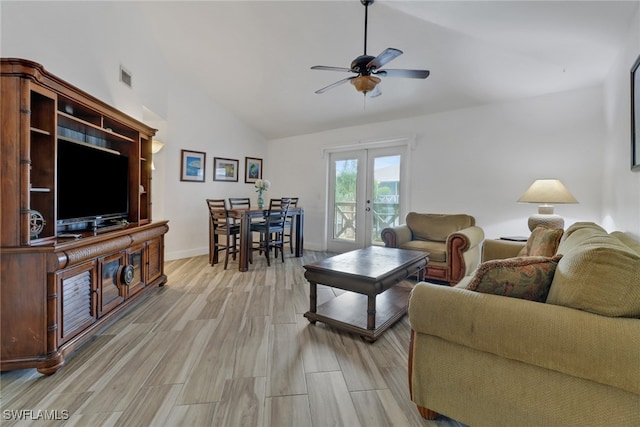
(635, 116)
(252, 169)
(192, 165)
(225, 169)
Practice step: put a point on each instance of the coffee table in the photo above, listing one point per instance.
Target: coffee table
(373, 302)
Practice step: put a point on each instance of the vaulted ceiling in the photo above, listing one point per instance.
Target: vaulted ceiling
(254, 57)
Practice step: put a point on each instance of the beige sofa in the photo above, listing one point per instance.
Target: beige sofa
(491, 360)
(452, 240)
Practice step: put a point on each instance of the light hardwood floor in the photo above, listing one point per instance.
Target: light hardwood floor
(224, 348)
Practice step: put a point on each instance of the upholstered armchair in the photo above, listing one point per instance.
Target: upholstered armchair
(453, 241)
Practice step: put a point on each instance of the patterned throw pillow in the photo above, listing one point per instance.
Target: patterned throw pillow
(523, 277)
(542, 242)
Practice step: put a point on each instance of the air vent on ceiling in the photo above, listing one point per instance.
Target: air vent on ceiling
(125, 76)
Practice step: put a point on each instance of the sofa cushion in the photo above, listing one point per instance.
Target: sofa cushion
(627, 240)
(437, 226)
(542, 242)
(600, 275)
(522, 277)
(437, 250)
(577, 233)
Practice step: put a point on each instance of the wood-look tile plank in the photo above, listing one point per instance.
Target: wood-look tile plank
(330, 401)
(283, 307)
(150, 406)
(318, 348)
(286, 372)
(252, 348)
(199, 415)
(378, 408)
(115, 392)
(102, 419)
(176, 365)
(357, 364)
(242, 403)
(287, 411)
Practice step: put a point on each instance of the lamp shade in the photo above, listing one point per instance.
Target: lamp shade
(547, 191)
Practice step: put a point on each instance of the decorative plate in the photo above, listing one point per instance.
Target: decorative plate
(36, 223)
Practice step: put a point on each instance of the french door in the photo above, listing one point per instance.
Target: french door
(366, 194)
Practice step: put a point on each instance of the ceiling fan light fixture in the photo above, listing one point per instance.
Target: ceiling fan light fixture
(365, 84)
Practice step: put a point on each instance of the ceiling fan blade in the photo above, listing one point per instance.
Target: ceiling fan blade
(387, 55)
(338, 83)
(412, 74)
(324, 67)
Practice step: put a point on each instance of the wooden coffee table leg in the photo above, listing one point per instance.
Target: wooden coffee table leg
(371, 312)
(313, 299)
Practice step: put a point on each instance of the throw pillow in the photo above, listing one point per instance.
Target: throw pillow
(542, 242)
(523, 277)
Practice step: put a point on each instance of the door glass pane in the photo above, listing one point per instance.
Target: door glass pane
(110, 289)
(386, 195)
(135, 260)
(344, 216)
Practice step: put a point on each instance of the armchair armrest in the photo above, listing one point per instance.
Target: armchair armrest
(500, 249)
(574, 342)
(463, 248)
(393, 237)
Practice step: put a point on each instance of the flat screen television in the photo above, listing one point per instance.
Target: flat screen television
(92, 184)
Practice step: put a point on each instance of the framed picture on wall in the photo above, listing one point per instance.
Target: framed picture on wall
(635, 116)
(252, 169)
(192, 165)
(225, 169)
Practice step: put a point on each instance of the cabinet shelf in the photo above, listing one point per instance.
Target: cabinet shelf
(40, 190)
(88, 144)
(40, 131)
(71, 122)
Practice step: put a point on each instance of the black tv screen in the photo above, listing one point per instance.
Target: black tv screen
(92, 183)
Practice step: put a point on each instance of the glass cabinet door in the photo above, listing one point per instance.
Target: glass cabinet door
(111, 290)
(135, 259)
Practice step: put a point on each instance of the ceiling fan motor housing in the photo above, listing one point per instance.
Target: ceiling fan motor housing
(359, 64)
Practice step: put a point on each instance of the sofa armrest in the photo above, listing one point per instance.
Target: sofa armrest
(393, 237)
(500, 249)
(574, 342)
(463, 249)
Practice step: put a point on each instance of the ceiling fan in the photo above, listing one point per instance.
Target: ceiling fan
(368, 68)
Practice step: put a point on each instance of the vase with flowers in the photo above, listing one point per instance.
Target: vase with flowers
(262, 185)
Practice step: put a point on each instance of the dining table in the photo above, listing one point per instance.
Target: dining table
(246, 216)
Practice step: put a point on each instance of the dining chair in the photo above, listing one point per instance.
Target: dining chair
(220, 224)
(240, 202)
(272, 229)
(288, 225)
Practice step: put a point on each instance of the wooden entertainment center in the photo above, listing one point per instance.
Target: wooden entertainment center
(61, 280)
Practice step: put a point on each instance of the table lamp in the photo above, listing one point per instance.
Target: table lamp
(546, 192)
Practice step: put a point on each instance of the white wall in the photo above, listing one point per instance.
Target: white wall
(85, 43)
(197, 123)
(477, 161)
(621, 187)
